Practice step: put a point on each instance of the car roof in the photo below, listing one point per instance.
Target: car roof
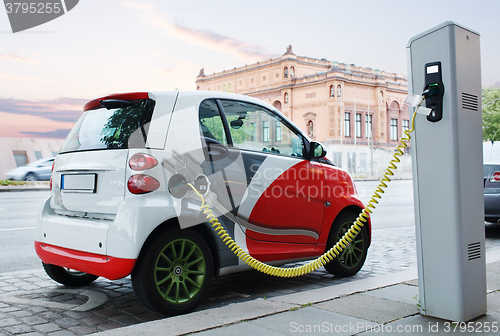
(201, 95)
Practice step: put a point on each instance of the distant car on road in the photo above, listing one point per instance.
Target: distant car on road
(491, 165)
(35, 171)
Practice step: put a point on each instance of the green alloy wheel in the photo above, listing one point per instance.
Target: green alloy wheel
(174, 272)
(350, 261)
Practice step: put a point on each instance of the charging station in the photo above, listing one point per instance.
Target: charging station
(444, 61)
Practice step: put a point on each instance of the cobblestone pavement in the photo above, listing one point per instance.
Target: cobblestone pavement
(32, 304)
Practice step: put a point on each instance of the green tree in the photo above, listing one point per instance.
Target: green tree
(491, 114)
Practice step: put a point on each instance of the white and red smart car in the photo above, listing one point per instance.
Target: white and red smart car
(120, 203)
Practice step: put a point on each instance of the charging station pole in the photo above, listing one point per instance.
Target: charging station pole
(448, 172)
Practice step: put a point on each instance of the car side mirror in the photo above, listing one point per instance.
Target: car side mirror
(317, 150)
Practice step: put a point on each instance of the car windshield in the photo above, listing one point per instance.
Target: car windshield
(116, 128)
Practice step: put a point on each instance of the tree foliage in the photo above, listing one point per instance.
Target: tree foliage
(491, 114)
(125, 128)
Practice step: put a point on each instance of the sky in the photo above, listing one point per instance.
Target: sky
(49, 72)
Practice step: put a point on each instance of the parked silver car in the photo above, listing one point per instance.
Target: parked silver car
(34, 171)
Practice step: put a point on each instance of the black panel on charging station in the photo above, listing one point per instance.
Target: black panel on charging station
(434, 83)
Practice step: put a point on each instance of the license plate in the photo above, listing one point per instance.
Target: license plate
(84, 183)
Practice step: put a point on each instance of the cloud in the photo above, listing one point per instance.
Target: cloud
(60, 110)
(15, 57)
(21, 125)
(7, 76)
(221, 43)
(58, 134)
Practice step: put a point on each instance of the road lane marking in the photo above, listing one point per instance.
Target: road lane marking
(17, 229)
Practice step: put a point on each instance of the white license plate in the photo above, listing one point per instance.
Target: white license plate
(85, 183)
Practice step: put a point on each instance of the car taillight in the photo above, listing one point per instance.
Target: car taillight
(142, 161)
(495, 177)
(142, 184)
(50, 182)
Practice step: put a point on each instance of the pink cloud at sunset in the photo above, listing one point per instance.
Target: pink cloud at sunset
(47, 118)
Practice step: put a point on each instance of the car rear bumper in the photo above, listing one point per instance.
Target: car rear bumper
(108, 267)
(492, 207)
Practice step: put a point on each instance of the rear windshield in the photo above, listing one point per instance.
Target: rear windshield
(116, 128)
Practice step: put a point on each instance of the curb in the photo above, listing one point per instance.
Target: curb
(22, 188)
(258, 308)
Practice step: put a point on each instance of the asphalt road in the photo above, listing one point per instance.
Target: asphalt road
(18, 211)
(395, 208)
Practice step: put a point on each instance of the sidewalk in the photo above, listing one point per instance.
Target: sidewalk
(383, 305)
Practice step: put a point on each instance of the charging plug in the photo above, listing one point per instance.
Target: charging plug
(432, 90)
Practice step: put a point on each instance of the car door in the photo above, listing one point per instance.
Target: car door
(284, 197)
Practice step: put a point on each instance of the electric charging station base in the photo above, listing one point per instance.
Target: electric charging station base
(448, 173)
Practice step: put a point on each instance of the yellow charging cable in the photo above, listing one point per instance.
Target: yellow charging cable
(337, 248)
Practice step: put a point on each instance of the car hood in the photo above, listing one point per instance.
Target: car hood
(18, 170)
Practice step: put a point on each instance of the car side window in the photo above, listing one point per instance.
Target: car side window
(255, 128)
(211, 125)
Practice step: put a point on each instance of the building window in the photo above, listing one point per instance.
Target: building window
(381, 97)
(406, 125)
(286, 98)
(369, 126)
(263, 78)
(277, 75)
(310, 128)
(38, 155)
(265, 131)
(358, 125)
(198, 87)
(278, 130)
(351, 162)
(20, 157)
(339, 91)
(347, 124)
(292, 72)
(332, 91)
(337, 159)
(277, 105)
(286, 72)
(394, 129)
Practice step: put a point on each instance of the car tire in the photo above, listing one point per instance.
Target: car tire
(352, 258)
(30, 177)
(68, 277)
(173, 272)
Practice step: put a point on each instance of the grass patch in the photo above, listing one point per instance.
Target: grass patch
(10, 182)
